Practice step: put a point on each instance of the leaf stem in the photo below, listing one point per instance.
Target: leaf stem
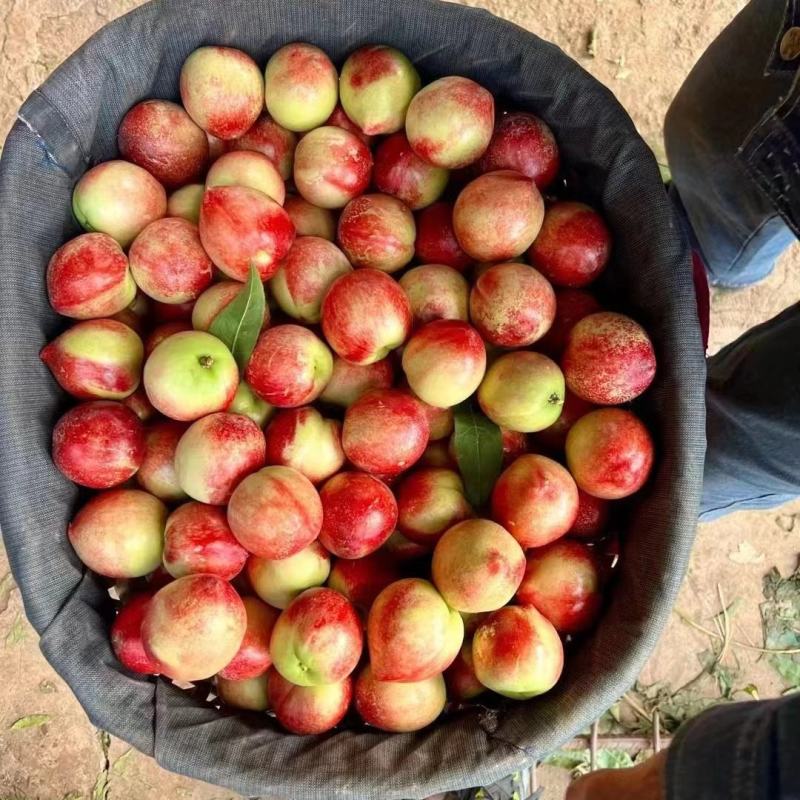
(735, 642)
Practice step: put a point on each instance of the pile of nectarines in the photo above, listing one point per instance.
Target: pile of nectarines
(296, 523)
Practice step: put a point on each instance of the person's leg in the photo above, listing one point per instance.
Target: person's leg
(736, 227)
(753, 395)
(753, 419)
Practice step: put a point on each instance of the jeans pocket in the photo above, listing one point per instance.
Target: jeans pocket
(757, 255)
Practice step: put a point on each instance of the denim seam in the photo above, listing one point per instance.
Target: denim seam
(686, 221)
(762, 182)
(749, 149)
(753, 144)
(776, 64)
(782, 113)
(741, 504)
(752, 235)
(778, 113)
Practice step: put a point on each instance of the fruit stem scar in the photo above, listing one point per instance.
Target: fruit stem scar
(206, 361)
(554, 398)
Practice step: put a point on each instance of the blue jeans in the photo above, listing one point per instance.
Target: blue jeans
(733, 143)
(732, 137)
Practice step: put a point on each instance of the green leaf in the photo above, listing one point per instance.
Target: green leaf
(100, 788)
(610, 721)
(780, 619)
(479, 452)
(568, 759)
(787, 666)
(674, 708)
(16, 633)
(752, 690)
(724, 675)
(578, 761)
(613, 759)
(121, 763)
(31, 721)
(238, 325)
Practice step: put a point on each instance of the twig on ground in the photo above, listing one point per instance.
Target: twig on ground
(735, 642)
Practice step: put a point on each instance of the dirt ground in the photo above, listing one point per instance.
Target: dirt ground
(642, 49)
